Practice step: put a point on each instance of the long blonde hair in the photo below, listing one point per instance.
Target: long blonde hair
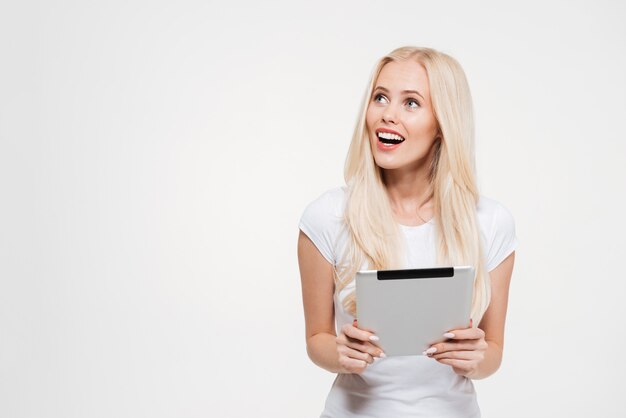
(374, 235)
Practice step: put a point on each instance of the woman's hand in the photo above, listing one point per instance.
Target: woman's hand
(464, 350)
(355, 348)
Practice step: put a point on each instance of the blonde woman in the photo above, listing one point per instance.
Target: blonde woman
(410, 201)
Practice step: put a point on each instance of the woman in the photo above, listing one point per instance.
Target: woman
(410, 201)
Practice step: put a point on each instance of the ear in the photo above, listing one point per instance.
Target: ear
(439, 134)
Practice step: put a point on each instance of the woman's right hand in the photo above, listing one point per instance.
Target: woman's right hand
(355, 348)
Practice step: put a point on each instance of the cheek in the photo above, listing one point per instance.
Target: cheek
(424, 128)
(371, 120)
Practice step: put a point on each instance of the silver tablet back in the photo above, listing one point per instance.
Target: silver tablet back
(409, 310)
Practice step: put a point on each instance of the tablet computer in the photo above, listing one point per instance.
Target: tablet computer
(409, 310)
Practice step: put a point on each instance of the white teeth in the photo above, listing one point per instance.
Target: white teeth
(387, 135)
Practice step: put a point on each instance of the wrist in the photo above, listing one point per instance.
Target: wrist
(489, 364)
(322, 350)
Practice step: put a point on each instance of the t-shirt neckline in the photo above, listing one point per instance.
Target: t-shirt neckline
(431, 221)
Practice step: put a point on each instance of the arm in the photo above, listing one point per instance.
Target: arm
(477, 352)
(495, 316)
(316, 275)
(350, 352)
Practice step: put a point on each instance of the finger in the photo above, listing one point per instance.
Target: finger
(462, 365)
(355, 324)
(465, 334)
(353, 365)
(358, 334)
(366, 347)
(458, 355)
(463, 345)
(358, 355)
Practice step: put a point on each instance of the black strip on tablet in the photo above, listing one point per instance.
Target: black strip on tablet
(415, 273)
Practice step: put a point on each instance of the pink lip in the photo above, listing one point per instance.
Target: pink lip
(387, 148)
(383, 147)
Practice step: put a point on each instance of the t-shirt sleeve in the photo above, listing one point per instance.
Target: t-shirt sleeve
(503, 239)
(321, 223)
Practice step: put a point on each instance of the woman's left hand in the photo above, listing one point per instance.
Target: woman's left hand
(464, 350)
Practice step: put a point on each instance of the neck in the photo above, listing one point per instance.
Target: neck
(407, 187)
(410, 193)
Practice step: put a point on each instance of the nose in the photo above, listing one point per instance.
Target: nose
(390, 114)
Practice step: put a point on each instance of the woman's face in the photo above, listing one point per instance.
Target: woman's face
(400, 120)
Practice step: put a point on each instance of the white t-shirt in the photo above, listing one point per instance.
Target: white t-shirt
(405, 386)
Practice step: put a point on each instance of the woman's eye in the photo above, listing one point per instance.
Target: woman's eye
(379, 98)
(413, 103)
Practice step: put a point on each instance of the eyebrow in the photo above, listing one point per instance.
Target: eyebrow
(403, 91)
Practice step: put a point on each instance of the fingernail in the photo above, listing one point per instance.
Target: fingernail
(431, 350)
(448, 335)
(374, 338)
(382, 355)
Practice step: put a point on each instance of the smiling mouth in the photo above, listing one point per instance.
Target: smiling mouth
(389, 138)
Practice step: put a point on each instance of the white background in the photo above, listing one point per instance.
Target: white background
(155, 158)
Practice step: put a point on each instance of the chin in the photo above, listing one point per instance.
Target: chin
(387, 165)
(400, 163)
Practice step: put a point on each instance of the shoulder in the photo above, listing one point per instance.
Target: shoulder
(328, 206)
(498, 230)
(323, 221)
(490, 212)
